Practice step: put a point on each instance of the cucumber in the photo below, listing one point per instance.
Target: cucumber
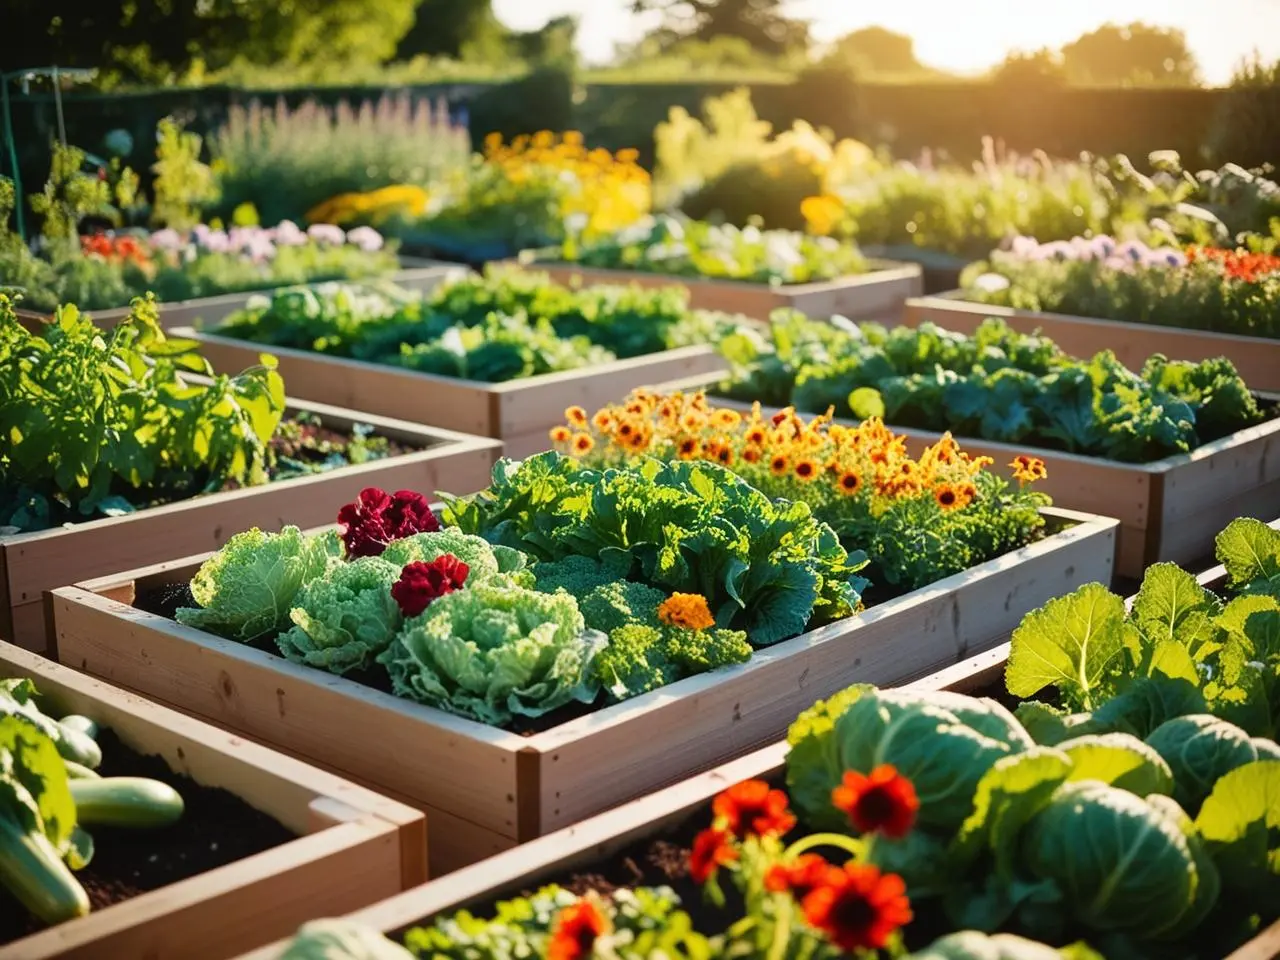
(86, 726)
(78, 747)
(125, 802)
(32, 871)
(76, 771)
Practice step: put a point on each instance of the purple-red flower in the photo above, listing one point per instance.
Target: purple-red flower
(421, 584)
(376, 518)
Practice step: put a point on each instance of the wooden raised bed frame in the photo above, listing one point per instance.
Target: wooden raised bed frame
(353, 848)
(1256, 358)
(31, 563)
(878, 294)
(1168, 509)
(415, 274)
(486, 790)
(518, 412)
(579, 847)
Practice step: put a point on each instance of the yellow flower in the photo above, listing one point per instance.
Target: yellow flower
(582, 443)
(779, 465)
(849, 483)
(807, 470)
(560, 434)
(948, 497)
(576, 416)
(1027, 469)
(821, 213)
(725, 419)
(688, 611)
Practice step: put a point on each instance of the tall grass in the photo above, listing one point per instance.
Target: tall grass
(285, 161)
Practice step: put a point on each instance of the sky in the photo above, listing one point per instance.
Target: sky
(966, 37)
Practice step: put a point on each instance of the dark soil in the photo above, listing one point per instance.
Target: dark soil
(217, 828)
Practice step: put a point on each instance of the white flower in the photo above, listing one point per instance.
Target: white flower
(287, 234)
(327, 233)
(366, 238)
(991, 283)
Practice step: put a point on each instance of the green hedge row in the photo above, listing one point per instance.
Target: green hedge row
(950, 117)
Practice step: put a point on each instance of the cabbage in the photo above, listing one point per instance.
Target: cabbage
(475, 552)
(972, 945)
(346, 618)
(342, 940)
(495, 651)
(247, 588)
(1200, 749)
(1240, 826)
(942, 742)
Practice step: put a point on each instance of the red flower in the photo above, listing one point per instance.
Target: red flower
(803, 875)
(858, 907)
(752, 807)
(422, 583)
(711, 851)
(575, 931)
(884, 801)
(376, 518)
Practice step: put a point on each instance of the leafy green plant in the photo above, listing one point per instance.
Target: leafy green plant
(997, 385)
(766, 567)
(183, 185)
(68, 195)
(100, 422)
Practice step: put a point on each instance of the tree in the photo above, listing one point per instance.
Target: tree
(877, 50)
(1020, 70)
(458, 29)
(1134, 54)
(760, 22)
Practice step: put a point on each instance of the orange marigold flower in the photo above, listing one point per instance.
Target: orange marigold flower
(560, 434)
(849, 483)
(968, 491)
(1027, 469)
(688, 448)
(753, 807)
(858, 907)
(576, 416)
(688, 611)
(711, 850)
(948, 497)
(724, 456)
(756, 436)
(779, 464)
(626, 430)
(806, 470)
(582, 443)
(693, 420)
(576, 927)
(602, 421)
(751, 454)
(883, 801)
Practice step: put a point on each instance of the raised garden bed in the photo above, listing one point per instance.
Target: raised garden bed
(876, 295)
(264, 843)
(1256, 358)
(941, 270)
(647, 842)
(485, 789)
(1168, 509)
(31, 563)
(414, 274)
(518, 412)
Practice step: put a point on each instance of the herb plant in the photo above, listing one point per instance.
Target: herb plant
(917, 519)
(693, 248)
(1201, 288)
(997, 384)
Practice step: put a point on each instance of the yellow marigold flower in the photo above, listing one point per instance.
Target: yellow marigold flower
(627, 155)
(1027, 469)
(560, 434)
(822, 213)
(576, 416)
(603, 420)
(806, 470)
(725, 419)
(723, 455)
(688, 448)
(779, 465)
(572, 138)
(751, 454)
(948, 497)
(582, 443)
(849, 483)
(693, 420)
(689, 611)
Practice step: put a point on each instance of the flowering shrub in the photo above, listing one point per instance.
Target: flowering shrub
(997, 384)
(529, 193)
(918, 519)
(1232, 291)
(692, 248)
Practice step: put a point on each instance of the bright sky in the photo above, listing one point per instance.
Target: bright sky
(966, 36)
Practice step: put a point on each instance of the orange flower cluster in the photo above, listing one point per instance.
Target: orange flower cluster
(784, 454)
(611, 190)
(1238, 264)
(115, 248)
(1027, 469)
(689, 611)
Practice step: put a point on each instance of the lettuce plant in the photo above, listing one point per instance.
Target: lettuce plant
(766, 567)
(496, 651)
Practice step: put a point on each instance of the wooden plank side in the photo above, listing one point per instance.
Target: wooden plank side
(1209, 487)
(236, 907)
(377, 388)
(299, 710)
(538, 403)
(280, 786)
(1256, 358)
(879, 296)
(607, 758)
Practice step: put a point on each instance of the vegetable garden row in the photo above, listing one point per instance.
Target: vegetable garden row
(684, 590)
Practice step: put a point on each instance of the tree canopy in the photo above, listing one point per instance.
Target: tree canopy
(877, 50)
(1133, 54)
(760, 22)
